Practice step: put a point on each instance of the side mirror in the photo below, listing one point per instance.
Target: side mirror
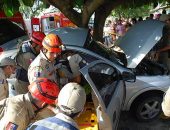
(128, 76)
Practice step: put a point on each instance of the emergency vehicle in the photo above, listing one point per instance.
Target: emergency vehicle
(50, 21)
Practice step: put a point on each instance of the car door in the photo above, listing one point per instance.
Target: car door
(108, 92)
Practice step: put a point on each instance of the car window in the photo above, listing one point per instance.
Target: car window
(105, 78)
(9, 31)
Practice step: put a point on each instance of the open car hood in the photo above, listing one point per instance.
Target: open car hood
(139, 40)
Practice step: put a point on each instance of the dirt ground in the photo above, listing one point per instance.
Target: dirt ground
(127, 122)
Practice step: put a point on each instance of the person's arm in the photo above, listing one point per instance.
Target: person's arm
(13, 119)
(74, 62)
(76, 79)
(27, 59)
(35, 73)
(166, 103)
(164, 49)
(3, 87)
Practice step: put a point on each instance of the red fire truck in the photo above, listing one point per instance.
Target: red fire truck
(45, 23)
(50, 21)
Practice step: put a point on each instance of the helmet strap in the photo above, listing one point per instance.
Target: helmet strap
(35, 105)
(44, 50)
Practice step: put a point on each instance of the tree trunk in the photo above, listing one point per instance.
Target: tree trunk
(80, 19)
(102, 10)
(99, 21)
(100, 16)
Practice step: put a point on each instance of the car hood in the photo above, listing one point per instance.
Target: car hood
(72, 36)
(9, 31)
(139, 40)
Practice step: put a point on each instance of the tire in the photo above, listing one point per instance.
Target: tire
(147, 108)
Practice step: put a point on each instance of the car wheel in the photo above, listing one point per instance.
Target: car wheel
(147, 108)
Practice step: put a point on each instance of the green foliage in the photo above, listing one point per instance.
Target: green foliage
(29, 12)
(10, 7)
(78, 3)
(131, 12)
(28, 2)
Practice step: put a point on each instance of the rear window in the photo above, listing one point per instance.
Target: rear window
(9, 31)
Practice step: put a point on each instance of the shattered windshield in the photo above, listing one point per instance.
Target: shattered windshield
(108, 53)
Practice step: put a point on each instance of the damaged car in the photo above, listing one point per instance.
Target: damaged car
(139, 46)
(136, 51)
(104, 75)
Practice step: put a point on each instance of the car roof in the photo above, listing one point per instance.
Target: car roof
(139, 40)
(72, 36)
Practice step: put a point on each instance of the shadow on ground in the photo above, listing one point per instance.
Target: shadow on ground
(127, 122)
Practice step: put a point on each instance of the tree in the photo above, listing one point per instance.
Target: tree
(29, 12)
(101, 8)
(80, 17)
(142, 11)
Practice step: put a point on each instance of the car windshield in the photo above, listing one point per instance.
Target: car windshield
(9, 31)
(108, 53)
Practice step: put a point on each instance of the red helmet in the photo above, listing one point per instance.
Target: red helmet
(37, 37)
(44, 90)
(52, 43)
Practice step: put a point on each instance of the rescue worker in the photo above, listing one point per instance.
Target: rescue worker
(71, 101)
(22, 109)
(7, 68)
(43, 65)
(27, 53)
(69, 70)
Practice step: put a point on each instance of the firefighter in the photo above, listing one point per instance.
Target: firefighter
(43, 65)
(22, 109)
(71, 101)
(27, 53)
(7, 68)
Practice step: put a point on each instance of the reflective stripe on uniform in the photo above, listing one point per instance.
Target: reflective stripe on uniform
(52, 124)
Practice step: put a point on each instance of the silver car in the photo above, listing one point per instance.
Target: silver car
(103, 73)
(144, 97)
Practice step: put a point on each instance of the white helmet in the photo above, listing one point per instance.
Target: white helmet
(72, 98)
(7, 61)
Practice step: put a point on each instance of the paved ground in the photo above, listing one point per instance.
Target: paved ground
(129, 123)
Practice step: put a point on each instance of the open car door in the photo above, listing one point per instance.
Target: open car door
(108, 92)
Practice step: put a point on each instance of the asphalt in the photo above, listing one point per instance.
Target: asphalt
(127, 122)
